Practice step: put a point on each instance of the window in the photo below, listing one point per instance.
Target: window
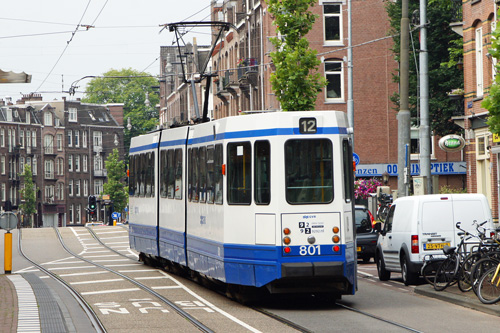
(193, 175)
(34, 168)
(415, 144)
(332, 22)
(97, 138)
(47, 120)
(49, 193)
(72, 115)
(60, 166)
(21, 165)
(262, 186)
(335, 76)
(164, 174)
(33, 139)
(348, 170)
(78, 217)
(210, 174)
(308, 171)
(77, 138)
(60, 191)
(482, 143)
(77, 188)
(98, 163)
(202, 167)
(48, 144)
(70, 188)
(85, 162)
(70, 162)
(28, 138)
(70, 138)
(59, 142)
(2, 137)
(2, 165)
(4, 192)
(21, 138)
(28, 117)
(479, 62)
(85, 188)
(239, 156)
(218, 174)
(71, 214)
(178, 173)
(84, 139)
(77, 163)
(49, 169)
(98, 186)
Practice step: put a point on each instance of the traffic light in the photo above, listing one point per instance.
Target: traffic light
(92, 204)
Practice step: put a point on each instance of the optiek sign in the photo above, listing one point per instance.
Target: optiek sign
(440, 168)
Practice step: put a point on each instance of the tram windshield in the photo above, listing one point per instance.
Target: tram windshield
(309, 171)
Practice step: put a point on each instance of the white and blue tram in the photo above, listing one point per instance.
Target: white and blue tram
(255, 200)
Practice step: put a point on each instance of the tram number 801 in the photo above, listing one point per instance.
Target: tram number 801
(310, 250)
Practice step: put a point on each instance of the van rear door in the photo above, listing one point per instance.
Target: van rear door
(469, 210)
(437, 228)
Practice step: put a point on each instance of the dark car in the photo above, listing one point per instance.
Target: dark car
(366, 236)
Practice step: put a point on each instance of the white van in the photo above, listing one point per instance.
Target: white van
(424, 224)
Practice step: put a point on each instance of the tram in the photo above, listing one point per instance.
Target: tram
(262, 200)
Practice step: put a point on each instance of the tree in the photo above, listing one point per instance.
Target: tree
(295, 80)
(117, 191)
(28, 207)
(492, 101)
(445, 51)
(127, 86)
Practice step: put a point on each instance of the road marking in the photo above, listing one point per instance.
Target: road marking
(140, 271)
(97, 281)
(109, 291)
(151, 278)
(166, 287)
(86, 273)
(28, 319)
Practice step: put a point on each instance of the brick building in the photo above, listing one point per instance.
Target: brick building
(66, 143)
(482, 149)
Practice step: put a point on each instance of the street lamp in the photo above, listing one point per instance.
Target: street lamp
(385, 177)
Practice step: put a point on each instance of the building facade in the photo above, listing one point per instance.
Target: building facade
(66, 143)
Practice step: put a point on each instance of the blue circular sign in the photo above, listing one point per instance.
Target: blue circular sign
(355, 157)
(115, 215)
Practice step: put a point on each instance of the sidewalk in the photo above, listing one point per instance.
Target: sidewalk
(8, 305)
(454, 295)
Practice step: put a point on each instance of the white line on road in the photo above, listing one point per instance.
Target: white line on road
(109, 291)
(97, 281)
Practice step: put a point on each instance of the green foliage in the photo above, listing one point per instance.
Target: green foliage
(130, 88)
(28, 207)
(444, 49)
(117, 191)
(492, 101)
(295, 81)
(446, 189)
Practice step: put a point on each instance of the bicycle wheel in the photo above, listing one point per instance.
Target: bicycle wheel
(429, 270)
(488, 287)
(382, 213)
(464, 276)
(479, 268)
(445, 273)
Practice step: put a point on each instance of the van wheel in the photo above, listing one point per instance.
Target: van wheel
(408, 277)
(383, 274)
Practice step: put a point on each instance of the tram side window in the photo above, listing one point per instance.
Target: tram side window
(178, 174)
(210, 174)
(150, 176)
(131, 175)
(142, 175)
(202, 178)
(239, 173)
(348, 171)
(170, 179)
(190, 173)
(309, 171)
(193, 169)
(262, 186)
(218, 174)
(163, 173)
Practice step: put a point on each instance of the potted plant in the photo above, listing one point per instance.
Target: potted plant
(456, 93)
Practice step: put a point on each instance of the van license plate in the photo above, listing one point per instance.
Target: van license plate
(435, 246)
(359, 248)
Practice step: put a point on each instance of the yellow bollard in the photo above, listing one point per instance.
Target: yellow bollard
(8, 252)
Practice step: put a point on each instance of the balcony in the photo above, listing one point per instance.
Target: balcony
(97, 149)
(247, 71)
(101, 173)
(49, 151)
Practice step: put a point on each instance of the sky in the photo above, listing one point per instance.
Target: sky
(46, 38)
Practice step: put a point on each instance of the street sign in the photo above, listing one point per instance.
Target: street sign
(355, 157)
(115, 215)
(8, 221)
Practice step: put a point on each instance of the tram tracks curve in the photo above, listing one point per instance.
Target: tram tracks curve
(280, 318)
(87, 307)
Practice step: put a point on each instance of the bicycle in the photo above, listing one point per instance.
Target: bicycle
(430, 266)
(385, 201)
(488, 287)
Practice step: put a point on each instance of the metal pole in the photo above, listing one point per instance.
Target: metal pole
(404, 112)
(8, 252)
(424, 132)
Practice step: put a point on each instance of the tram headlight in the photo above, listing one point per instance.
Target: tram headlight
(335, 239)
(287, 231)
(287, 240)
(336, 230)
(311, 239)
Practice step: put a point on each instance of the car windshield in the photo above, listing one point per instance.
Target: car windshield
(363, 221)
